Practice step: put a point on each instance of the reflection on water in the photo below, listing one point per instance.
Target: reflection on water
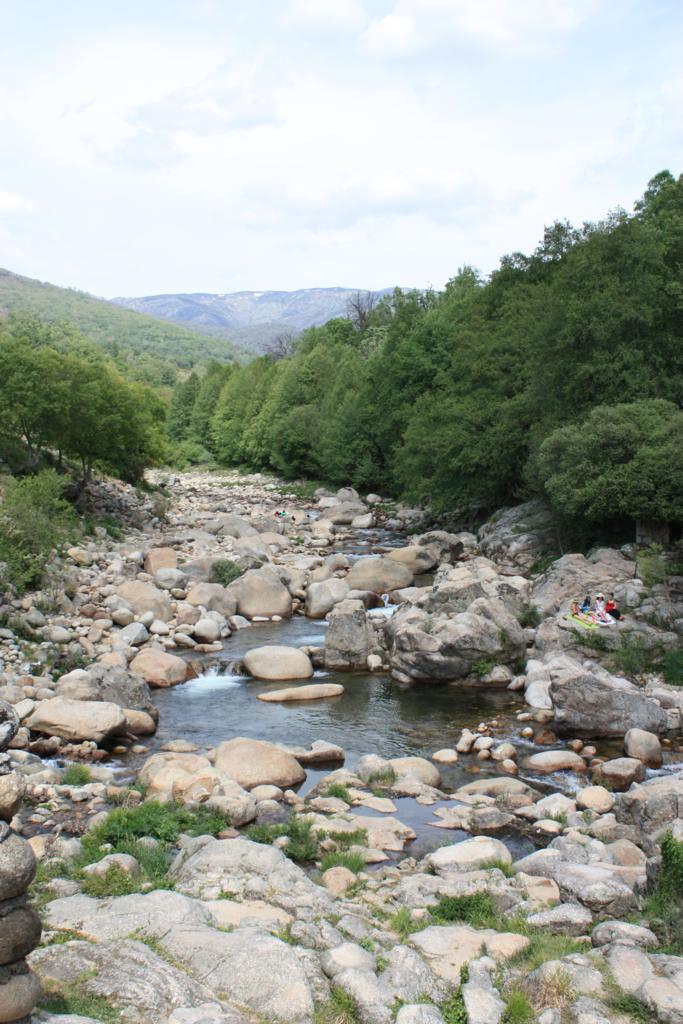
(374, 715)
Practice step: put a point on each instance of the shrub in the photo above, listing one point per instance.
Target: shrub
(635, 657)
(340, 1008)
(529, 617)
(665, 907)
(382, 777)
(484, 666)
(672, 666)
(76, 775)
(403, 924)
(34, 519)
(225, 572)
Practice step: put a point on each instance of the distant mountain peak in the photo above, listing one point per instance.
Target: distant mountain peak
(249, 318)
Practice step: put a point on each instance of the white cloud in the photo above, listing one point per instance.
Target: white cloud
(520, 27)
(11, 203)
(323, 16)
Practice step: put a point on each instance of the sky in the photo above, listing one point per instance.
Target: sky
(224, 145)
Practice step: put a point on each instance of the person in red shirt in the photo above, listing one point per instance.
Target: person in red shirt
(611, 608)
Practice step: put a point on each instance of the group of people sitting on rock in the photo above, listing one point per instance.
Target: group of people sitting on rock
(601, 612)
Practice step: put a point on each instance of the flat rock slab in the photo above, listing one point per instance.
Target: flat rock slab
(128, 974)
(316, 691)
(250, 968)
(151, 915)
(448, 947)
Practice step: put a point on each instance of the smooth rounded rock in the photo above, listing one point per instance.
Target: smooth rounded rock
(256, 762)
(445, 756)
(20, 929)
(469, 855)
(19, 992)
(159, 668)
(645, 746)
(419, 767)
(380, 575)
(12, 790)
(595, 798)
(556, 761)
(276, 661)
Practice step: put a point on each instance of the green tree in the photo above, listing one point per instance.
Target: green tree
(620, 462)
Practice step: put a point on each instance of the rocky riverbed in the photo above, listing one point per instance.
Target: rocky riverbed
(285, 759)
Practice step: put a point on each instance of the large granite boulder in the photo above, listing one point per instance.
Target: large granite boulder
(276, 661)
(573, 576)
(349, 639)
(426, 648)
(145, 597)
(213, 597)
(77, 719)
(260, 592)
(108, 683)
(159, 668)
(588, 703)
(517, 537)
(256, 763)
(321, 597)
(379, 575)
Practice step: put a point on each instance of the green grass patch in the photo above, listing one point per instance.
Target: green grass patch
(518, 1008)
(483, 666)
(529, 617)
(339, 791)
(344, 840)
(71, 999)
(341, 1008)
(477, 910)
(77, 775)
(382, 778)
(302, 846)
(500, 865)
(403, 924)
(164, 822)
(345, 859)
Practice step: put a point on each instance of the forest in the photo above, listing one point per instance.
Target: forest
(560, 375)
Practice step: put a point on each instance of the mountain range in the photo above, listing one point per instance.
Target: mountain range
(249, 319)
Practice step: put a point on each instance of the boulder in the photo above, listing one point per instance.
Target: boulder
(556, 761)
(572, 576)
(588, 704)
(469, 855)
(322, 597)
(107, 683)
(159, 668)
(77, 719)
(160, 558)
(12, 791)
(619, 773)
(652, 808)
(213, 597)
(261, 592)
(518, 536)
(419, 768)
(595, 798)
(145, 597)
(348, 640)
(424, 647)
(19, 992)
(207, 630)
(379, 575)
(277, 662)
(20, 929)
(129, 975)
(315, 691)
(133, 635)
(17, 867)
(645, 746)
(418, 559)
(256, 762)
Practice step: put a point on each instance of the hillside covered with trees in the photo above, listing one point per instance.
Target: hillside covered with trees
(560, 375)
(143, 347)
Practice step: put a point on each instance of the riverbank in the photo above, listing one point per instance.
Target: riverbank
(480, 733)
